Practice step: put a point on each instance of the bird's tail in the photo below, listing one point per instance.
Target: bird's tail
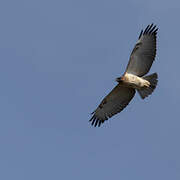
(153, 79)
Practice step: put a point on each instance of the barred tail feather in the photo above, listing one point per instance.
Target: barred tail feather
(153, 79)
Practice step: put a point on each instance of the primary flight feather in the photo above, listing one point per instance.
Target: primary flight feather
(133, 79)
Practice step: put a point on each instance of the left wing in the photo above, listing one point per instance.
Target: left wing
(144, 52)
(112, 104)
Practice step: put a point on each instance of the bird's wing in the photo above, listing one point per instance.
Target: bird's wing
(144, 52)
(112, 104)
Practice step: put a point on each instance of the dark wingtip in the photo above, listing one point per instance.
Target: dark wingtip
(95, 121)
(145, 31)
(140, 34)
(99, 124)
(92, 118)
(151, 29)
(92, 112)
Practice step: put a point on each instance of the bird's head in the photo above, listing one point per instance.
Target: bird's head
(119, 79)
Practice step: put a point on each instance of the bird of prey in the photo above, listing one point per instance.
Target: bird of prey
(132, 80)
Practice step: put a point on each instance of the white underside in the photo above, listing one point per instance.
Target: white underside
(135, 81)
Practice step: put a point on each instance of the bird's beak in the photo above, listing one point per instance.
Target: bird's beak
(119, 79)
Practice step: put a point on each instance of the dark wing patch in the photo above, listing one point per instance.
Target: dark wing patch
(112, 104)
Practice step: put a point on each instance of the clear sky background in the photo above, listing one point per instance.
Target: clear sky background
(58, 59)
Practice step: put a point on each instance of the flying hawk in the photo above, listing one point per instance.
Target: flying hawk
(133, 79)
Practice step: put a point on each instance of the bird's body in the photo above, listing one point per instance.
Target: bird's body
(133, 79)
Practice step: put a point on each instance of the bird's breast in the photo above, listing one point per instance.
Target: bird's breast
(134, 81)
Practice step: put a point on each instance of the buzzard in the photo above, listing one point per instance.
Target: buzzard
(132, 80)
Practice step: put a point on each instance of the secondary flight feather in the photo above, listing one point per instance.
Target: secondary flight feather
(132, 80)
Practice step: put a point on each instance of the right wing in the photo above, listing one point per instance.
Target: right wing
(112, 104)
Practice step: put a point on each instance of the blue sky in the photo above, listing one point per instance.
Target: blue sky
(58, 59)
